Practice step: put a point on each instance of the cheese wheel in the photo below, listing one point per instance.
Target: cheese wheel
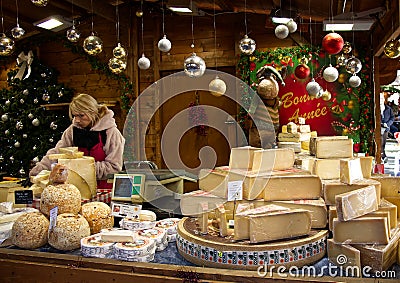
(66, 196)
(147, 215)
(134, 224)
(138, 248)
(162, 247)
(98, 215)
(146, 258)
(169, 224)
(68, 232)
(30, 230)
(157, 234)
(93, 246)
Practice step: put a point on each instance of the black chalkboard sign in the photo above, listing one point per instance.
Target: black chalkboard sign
(23, 197)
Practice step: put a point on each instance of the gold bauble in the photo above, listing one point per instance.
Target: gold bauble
(342, 78)
(345, 132)
(303, 60)
(347, 47)
(326, 95)
(351, 104)
(392, 49)
(341, 60)
(139, 13)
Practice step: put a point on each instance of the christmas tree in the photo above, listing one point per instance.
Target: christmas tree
(27, 129)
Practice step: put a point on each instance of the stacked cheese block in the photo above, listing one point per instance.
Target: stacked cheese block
(295, 136)
(81, 171)
(364, 226)
(279, 201)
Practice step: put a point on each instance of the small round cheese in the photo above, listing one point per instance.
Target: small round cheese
(157, 234)
(131, 250)
(93, 246)
(133, 224)
(30, 230)
(169, 224)
(98, 215)
(68, 232)
(66, 196)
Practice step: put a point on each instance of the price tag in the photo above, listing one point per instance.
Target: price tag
(235, 190)
(53, 218)
(23, 197)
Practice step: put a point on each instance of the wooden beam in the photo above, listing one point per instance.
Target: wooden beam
(100, 8)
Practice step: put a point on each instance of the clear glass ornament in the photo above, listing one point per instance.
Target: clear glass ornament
(194, 66)
(73, 34)
(144, 62)
(40, 3)
(116, 65)
(164, 45)
(6, 45)
(17, 32)
(247, 45)
(341, 60)
(119, 52)
(45, 97)
(93, 45)
(353, 65)
(217, 87)
(392, 48)
(53, 126)
(347, 48)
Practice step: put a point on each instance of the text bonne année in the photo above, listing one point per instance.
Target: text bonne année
(288, 101)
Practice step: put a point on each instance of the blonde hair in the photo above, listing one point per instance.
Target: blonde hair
(85, 103)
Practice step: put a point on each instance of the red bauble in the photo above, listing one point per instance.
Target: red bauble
(302, 71)
(333, 43)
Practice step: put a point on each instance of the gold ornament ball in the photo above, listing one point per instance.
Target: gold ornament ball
(345, 132)
(40, 3)
(139, 13)
(303, 60)
(351, 104)
(347, 47)
(116, 65)
(342, 78)
(6, 45)
(217, 87)
(119, 52)
(326, 95)
(392, 49)
(93, 45)
(341, 60)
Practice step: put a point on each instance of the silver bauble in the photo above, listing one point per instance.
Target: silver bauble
(8, 102)
(217, 87)
(119, 52)
(164, 45)
(73, 34)
(36, 122)
(354, 81)
(53, 126)
(247, 45)
(43, 75)
(292, 26)
(1, 158)
(19, 125)
(22, 101)
(25, 136)
(341, 60)
(35, 101)
(281, 31)
(144, 62)
(4, 117)
(330, 74)
(35, 159)
(116, 65)
(313, 88)
(353, 65)
(194, 66)
(11, 158)
(17, 32)
(46, 97)
(34, 147)
(30, 116)
(6, 45)
(7, 132)
(17, 144)
(40, 3)
(51, 140)
(25, 92)
(93, 45)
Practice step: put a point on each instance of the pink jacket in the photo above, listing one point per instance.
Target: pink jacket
(113, 148)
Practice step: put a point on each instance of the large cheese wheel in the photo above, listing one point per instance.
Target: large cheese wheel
(98, 215)
(66, 196)
(30, 230)
(69, 230)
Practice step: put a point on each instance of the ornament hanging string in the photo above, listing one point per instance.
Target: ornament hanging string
(141, 8)
(2, 16)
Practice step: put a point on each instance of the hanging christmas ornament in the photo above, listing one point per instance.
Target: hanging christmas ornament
(341, 60)
(247, 45)
(7, 132)
(164, 45)
(93, 45)
(36, 122)
(144, 62)
(30, 116)
(22, 171)
(11, 158)
(6, 45)
(22, 101)
(1, 158)
(34, 147)
(25, 136)
(119, 52)
(326, 95)
(194, 66)
(35, 159)
(313, 88)
(4, 117)
(45, 97)
(51, 140)
(302, 71)
(35, 101)
(40, 3)
(53, 126)
(330, 74)
(43, 75)
(281, 31)
(303, 60)
(355, 81)
(8, 102)
(217, 87)
(347, 47)
(139, 13)
(25, 92)
(73, 34)
(392, 49)
(60, 93)
(116, 65)
(292, 26)
(17, 32)
(332, 43)
(353, 65)
(19, 125)
(17, 144)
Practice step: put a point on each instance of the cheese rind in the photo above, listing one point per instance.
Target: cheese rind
(242, 157)
(364, 230)
(279, 225)
(334, 148)
(350, 170)
(386, 205)
(366, 166)
(273, 159)
(348, 257)
(356, 203)
(390, 185)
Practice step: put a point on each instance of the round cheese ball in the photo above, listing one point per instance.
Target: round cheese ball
(30, 230)
(66, 196)
(68, 232)
(98, 215)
